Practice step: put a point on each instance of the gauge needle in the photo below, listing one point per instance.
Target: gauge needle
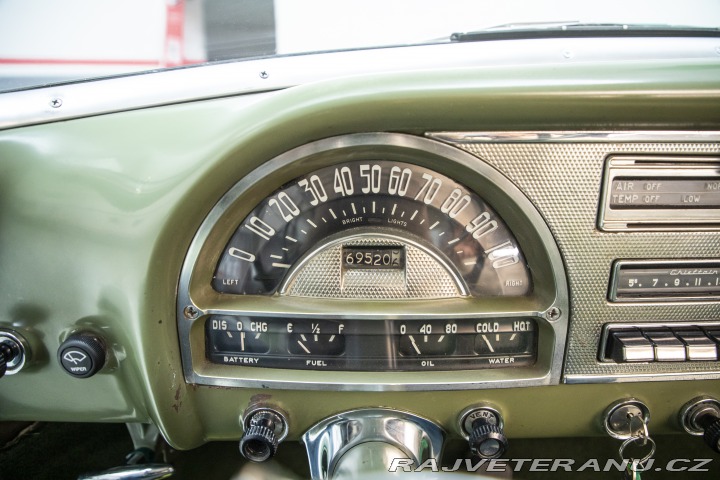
(303, 347)
(412, 340)
(242, 341)
(488, 344)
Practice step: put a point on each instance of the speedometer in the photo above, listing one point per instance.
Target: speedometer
(383, 226)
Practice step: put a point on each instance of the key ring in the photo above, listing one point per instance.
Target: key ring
(636, 439)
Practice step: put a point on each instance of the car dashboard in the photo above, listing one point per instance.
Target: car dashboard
(529, 228)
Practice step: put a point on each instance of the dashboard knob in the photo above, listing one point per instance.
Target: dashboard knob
(483, 428)
(258, 444)
(707, 418)
(7, 353)
(712, 435)
(82, 354)
(701, 416)
(264, 429)
(14, 351)
(487, 440)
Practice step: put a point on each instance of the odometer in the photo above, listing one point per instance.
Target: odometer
(369, 257)
(452, 225)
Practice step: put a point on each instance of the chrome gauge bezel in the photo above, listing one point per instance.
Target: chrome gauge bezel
(528, 226)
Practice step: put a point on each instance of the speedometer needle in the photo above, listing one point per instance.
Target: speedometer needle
(412, 340)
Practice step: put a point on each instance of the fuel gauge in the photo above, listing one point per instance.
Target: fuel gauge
(316, 344)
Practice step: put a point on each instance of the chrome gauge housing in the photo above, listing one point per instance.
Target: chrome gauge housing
(373, 262)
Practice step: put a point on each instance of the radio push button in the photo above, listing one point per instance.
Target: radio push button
(699, 347)
(668, 348)
(631, 346)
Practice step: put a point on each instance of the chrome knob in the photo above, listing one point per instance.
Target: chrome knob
(701, 416)
(258, 444)
(14, 352)
(487, 440)
(264, 428)
(482, 426)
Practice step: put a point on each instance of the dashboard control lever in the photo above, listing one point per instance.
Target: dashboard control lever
(701, 416)
(264, 429)
(483, 428)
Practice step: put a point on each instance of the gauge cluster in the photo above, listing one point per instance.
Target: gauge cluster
(373, 261)
(393, 345)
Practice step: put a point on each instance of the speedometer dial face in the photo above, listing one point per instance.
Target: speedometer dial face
(400, 199)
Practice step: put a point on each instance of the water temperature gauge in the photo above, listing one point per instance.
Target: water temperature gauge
(503, 343)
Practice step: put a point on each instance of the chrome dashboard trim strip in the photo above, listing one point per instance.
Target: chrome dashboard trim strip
(640, 377)
(574, 137)
(201, 82)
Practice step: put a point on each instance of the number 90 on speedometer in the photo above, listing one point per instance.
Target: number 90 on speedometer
(423, 215)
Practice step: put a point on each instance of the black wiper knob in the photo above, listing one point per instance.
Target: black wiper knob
(82, 354)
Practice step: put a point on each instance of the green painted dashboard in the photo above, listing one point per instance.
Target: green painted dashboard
(98, 213)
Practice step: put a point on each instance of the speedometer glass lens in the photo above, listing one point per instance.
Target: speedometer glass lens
(377, 230)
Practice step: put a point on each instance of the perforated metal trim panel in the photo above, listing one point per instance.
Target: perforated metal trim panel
(563, 179)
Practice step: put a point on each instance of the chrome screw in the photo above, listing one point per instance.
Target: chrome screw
(56, 103)
(191, 312)
(553, 314)
(264, 74)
